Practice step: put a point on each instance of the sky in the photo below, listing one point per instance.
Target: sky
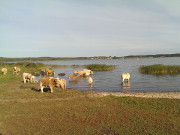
(87, 28)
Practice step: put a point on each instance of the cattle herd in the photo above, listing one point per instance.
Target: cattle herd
(51, 82)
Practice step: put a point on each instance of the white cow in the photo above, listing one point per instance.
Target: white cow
(90, 80)
(4, 71)
(27, 77)
(125, 76)
(62, 83)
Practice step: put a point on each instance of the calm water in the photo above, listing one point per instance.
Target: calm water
(110, 81)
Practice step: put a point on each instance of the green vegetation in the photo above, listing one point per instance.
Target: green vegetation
(24, 110)
(100, 67)
(34, 68)
(159, 69)
(2, 59)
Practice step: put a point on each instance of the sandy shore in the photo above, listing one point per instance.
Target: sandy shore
(171, 95)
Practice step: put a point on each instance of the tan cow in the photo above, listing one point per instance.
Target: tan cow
(4, 71)
(125, 76)
(78, 72)
(85, 72)
(49, 82)
(16, 70)
(62, 83)
(90, 72)
(49, 72)
(73, 76)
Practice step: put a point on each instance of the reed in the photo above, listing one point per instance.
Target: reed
(160, 69)
(100, 67)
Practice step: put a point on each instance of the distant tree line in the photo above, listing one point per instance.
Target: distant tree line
(153, 56)
(4, 59)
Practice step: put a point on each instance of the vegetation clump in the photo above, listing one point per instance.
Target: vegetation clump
(159, 69)
(100, 67)
(61, 74)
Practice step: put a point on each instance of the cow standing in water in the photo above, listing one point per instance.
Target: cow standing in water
(125, 76)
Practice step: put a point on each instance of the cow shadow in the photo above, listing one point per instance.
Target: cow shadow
(39, 90)
(35, 89)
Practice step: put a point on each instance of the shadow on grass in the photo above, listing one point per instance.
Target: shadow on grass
(39, 90)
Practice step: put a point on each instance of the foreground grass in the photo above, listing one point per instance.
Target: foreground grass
(24, 110)
(160, 69)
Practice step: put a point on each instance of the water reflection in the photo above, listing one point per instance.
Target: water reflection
(125, 86)
(80, 79)
(73, 82)
(90, 86)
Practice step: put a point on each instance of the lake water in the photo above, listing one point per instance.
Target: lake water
(110, 81)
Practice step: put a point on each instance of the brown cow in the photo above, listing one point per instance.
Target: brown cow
(16, 70)
(50, 72)
(51, 83)
(73, 76)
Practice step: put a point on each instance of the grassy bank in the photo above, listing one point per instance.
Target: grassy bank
(100, 67)
(24, 110)
(160, 69)
(34, 68)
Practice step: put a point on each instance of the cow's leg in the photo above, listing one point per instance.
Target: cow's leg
(51, 90)
(122, 79)
(62, 86)
(24, 79)
(42, 89)
(28, 80)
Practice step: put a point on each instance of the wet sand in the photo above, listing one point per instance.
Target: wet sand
(170, 95)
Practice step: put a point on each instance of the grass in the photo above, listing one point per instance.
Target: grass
(34, 68)
(159, 69)
(100, 67)
(24, 110)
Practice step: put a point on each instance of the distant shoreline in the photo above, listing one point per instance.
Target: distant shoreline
(5, 59)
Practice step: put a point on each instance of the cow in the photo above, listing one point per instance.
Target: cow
(4, 71)
(125, 76)
(51, 83)
(73, 76)
(27, 77)
(88, 71)
(90, 80)
(62, 83)
(85, 72)
(16, 70)
(49, 72)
